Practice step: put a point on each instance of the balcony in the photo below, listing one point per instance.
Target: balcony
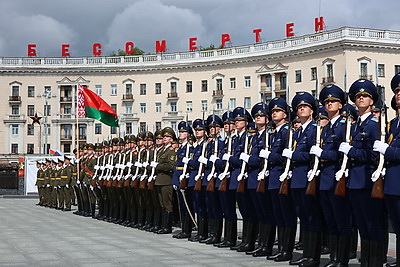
(66, 137)
(15, 119)
(173, 115)
(328, 80)
(127, 98)
(129, 117)
(366, 77)
(218, 93)
(65, 99)
(82, 137)
(173, 95)
(265, 88)
(14, 99)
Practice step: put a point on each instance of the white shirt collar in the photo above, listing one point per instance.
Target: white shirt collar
(333, 120)
(261, 132)
(365, 116)
(304, 126)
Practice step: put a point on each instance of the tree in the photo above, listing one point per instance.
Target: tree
(121, 52)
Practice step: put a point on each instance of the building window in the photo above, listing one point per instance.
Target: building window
(158, 88)
(47, 129)
(47, 110)
(114, 107)
(329, 70)
(82, 131)
(204, 85)
(143, 108)
(381, 70)
(298, 76)
(128, 128)
(143, 89)
(31, 129)
(128, 108)
(313, 73)
(314, 93)
(232, 103)
(47, 91)
(128, 89)
(97, 128)
(67, 109)
(113, 130)
(283, 81)
(218, 104)
(363, 69)
(158, 107)
(158, 125)
(189, 106)
(173, 125)
(204, 105)
(99, 89)
(30, 149)
(15, 109)
(113, 89)
(67, 148)
(189, 86)
(14, 129)
(233, 83)
(174, 88)
(219, 84)
(31, 91)
(396, 69)
(67, 131)
(31, 110)
(14, 148)
(15, 90)
(247, 102)
(173, 106)
(142, 126)
(268, 82)
(247, 81)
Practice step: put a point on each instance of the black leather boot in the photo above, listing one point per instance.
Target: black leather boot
(365, 250)
(244, 237)
(210, 232)
(376, 251)
(353, 244)
(93, 210)
(251, 238)
(313, 251)
(217, 229)
(166, 223)
(333, 246)
(288, 245)
(281, 233)
(343, 251)
(230, 234)
(305, 238)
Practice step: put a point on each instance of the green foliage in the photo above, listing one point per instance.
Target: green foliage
(121, 52)
(211, 47)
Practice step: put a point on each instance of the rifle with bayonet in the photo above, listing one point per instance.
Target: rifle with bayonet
(224, 175)
(144, 176)
(198, 178)
(243, 174)
(138, 165)
(263, 172)
(121, 158)
(211, 176)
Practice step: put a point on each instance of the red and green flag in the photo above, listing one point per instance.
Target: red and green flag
(91, 105)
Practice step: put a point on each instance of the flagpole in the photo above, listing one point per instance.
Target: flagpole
(77, 123)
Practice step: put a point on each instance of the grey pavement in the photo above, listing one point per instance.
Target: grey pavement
(36, 236)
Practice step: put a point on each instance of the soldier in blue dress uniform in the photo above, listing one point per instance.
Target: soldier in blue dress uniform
(307, 206)
(391, 150)
(336, 209)
(368, 211)
(194, 164)
(215, 218)
(228, 197)
(184, 131)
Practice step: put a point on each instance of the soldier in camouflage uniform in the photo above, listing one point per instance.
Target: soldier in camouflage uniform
(39, 182)
(46, 184)
(53, 188)
(66, 177)
(59, 184)
(89, 171)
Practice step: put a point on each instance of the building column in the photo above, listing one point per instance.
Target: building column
(273, 94)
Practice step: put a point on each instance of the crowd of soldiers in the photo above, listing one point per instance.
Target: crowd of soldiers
(320, 162)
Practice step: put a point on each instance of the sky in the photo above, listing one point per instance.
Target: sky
(81, 23)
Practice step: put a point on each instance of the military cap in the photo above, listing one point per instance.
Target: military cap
(183, 126)
(169, 132)
(376, 106)
(75, 151)
(214, 121)
(259, 109)
(48, 160)
(199, 125)
(395, 83)
(278, 103)
(251, 127)
(54, 160)
(67, 158)
(241, 114)
(149, 136)
(105, 143)
(81, 147)
(127, 139)
(97, 146)
(303, 98)
(393, 103)
(115, 141)
(363, 86)
(352, 110)
(60, 160)
(323, 114)
(90, 146)
(43, 162)
(227, 117)
(133, 139)
(294, 117)
(39, 161)
(331, 92)
(158, 135)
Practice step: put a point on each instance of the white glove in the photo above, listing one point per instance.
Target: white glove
(213, 158)
(102, 168)
(340, 173)
(122, 166)
(78, 182)
(138, 164)
(245, 157)
(262, 175)
(309, 175)
(380, 147)
(383, 172)
(316, 150)
(345, 147)
(129, 164)
(264, 153)
(226, 157)
(203, 160)
(287, 153)
(47, 185)
(240, 177)
(96, 167)
(145, 164)
(91, 187)
(67, 185)
(185, 160)
(153, 164)
(175, 187)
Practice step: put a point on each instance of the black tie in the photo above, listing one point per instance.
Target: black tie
(300, 132)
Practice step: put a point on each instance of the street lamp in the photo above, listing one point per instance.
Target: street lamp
(46, 95)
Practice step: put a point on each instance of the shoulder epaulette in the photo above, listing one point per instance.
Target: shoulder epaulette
(286, 126)
(343, 120)
(374, 119)
(314, 124)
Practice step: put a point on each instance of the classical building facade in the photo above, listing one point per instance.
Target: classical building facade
(153, 91)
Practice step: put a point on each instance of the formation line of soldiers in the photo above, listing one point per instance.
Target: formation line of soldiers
(323, 162)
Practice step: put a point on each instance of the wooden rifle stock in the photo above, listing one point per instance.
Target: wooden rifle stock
(377, 189)
(143, 184)
(183, 183)
(197, 186)
(211, 184)
(223, 185)
(151, 185)
(261, 186)
(135, 183)
(127, 182)
(340, 189)
(312, 187)
(240, 188)
(284, 189)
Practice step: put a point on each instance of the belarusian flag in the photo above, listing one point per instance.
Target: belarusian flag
(95, 107)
